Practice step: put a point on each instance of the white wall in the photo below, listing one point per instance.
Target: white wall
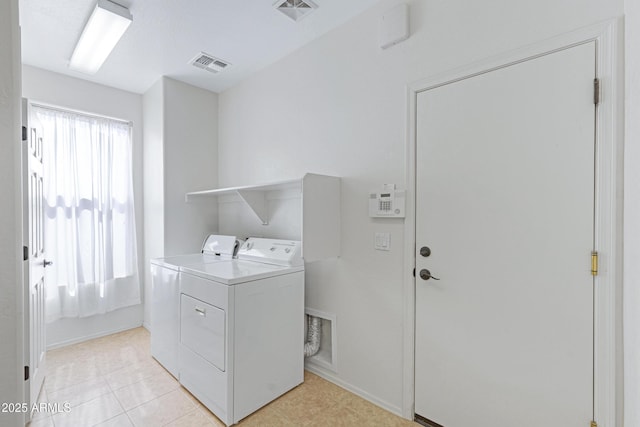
(68, 92)
(632, 216)
(191, 164)
(180, 155)
(11, 309)
(338, 106)
(152, 106)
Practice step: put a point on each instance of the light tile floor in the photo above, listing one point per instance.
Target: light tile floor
(113, 381)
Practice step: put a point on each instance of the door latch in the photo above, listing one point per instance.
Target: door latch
(426, 275)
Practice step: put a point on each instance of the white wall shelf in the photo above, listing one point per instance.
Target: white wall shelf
(320, 198)
(253, 195)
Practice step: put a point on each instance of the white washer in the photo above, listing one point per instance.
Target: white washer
(242, 328)
(165, 296)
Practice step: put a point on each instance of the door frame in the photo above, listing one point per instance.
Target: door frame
(608, 207)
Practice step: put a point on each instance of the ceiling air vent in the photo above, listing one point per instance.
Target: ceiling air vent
(295, 9)
(208, 62)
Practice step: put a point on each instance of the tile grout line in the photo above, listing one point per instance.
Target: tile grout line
(151, 400)
(181, 416)
(156, 398)
(126, 413)
(202, 411)
(96, 398)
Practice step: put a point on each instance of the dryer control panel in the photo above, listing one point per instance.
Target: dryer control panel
(272, 251)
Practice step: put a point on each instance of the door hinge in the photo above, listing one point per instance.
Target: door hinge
(26, 373)
(25, 253)
(596, 91)
(594, 424)
(594, 263)
(414, 272)
(24, 133)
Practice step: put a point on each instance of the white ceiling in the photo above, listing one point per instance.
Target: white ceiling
(166, 34)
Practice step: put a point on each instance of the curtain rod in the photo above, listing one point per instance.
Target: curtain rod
(78, 112)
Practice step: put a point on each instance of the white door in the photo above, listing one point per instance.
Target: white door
(505, 200)
(35, 262)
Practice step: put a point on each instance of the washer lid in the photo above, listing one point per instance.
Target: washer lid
(177, 261)
(236, 271)
(216, 244)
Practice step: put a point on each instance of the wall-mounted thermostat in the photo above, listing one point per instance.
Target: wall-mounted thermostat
(388, 203)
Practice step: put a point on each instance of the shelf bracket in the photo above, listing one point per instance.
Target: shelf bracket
(257, 201)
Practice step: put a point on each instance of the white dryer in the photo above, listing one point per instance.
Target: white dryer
(165, 295)
(242, 328)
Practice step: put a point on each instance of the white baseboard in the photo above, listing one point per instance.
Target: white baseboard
(355, 390)
(100, 334)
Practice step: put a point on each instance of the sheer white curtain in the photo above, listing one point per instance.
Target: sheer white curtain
(89, 225)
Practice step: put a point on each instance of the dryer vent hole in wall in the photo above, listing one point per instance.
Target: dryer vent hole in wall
(314, 329)
(320, 347)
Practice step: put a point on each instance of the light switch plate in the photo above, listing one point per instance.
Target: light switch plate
(381, 241)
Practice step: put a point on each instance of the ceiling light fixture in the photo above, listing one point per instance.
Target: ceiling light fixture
(295, 9)
(105, 27)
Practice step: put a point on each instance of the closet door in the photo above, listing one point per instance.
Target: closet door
(505, 202)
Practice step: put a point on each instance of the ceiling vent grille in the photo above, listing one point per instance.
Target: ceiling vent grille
(209, 62)
(295, 9)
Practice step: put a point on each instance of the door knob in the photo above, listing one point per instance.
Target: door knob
(46, 263)
(426, 275)
(425, 251)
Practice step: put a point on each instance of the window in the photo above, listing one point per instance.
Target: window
(90, 231)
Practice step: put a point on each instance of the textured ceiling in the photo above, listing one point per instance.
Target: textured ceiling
(166, 34)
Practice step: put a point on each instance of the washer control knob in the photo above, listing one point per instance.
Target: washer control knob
(287, 250)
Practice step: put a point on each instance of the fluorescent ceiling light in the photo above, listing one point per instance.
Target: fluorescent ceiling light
(107, 24)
